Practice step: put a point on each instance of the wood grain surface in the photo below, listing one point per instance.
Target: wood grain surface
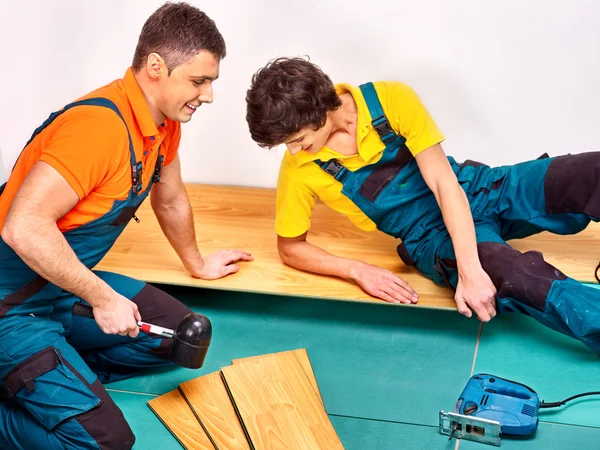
(304, 361)
(243, 217)
(278, 406)
(175, 413)
(208, 398)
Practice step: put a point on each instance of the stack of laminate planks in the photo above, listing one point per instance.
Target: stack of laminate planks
(261, 402)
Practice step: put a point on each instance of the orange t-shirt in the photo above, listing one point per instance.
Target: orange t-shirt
(88, 146)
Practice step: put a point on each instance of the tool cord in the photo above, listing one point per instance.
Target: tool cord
(557, 404)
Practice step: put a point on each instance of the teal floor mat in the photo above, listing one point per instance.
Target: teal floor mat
(149, 432)
(361, 434)
(380, 362)
(516, 347)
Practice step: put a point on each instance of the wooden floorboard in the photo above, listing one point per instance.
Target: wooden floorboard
(278, 406)
(304, 361)
(210, 402)
(175, 413)
(243, 217)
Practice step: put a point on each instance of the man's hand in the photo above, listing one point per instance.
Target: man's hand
(118, 316)
(220, 264)
(477, 293)
(383, 284)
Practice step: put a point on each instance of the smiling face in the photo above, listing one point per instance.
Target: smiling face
(308, 139)
(180, 93)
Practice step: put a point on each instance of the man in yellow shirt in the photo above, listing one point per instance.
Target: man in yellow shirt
(374, 154)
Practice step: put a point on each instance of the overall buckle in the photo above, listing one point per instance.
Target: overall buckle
(158, 169)
(383, 128)
(136, 177)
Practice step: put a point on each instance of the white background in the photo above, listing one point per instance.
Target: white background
(504, 80)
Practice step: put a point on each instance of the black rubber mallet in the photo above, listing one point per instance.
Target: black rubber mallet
(192, 337)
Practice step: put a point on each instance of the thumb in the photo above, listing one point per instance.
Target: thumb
(462, 307)
(231, 268)
(136, 312)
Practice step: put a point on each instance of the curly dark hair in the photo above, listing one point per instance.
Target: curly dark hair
(177, 32)
(285, 96)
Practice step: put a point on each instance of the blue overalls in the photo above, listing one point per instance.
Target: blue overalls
(560, 195)
(52, 363)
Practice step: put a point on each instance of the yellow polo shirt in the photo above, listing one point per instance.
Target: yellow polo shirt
(301, 181)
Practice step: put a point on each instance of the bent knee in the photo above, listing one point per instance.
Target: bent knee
(525, 277)
(103, 426)
(572, 184)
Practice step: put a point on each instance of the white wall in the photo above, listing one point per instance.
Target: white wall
(504, 80)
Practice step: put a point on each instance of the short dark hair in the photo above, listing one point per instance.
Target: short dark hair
(177, 32)
(285, 96)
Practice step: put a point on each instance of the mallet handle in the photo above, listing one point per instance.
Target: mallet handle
(79, 309)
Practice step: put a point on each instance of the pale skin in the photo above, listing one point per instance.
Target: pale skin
(45, 196)
(475, 290)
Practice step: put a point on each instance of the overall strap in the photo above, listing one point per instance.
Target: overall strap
(333, 168)
(379, 122)
(136, 166)
(378, 119)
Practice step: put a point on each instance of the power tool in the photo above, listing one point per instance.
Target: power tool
(490, 406)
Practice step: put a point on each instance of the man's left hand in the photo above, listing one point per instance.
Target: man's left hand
(221, 263)
(476, 292)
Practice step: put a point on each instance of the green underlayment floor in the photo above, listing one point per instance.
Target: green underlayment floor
(386, 371)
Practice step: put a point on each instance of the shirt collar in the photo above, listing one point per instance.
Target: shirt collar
(363, 127)
(139, 105)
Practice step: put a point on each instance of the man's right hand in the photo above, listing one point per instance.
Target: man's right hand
(119, 315)
(383, 284)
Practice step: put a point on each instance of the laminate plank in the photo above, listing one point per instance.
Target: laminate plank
(304, 361)
(243, 217)
(175, 413)
(210, 403)
(278, 407)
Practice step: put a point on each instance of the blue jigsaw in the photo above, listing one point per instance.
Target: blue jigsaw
(490, 406)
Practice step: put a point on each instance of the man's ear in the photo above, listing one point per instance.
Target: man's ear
(156, 66)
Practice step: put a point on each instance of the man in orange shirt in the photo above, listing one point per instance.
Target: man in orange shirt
(77, 183)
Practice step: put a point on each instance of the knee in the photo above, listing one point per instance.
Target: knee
(160, 308)
(104, 426)
(572, 184)
(525, 277)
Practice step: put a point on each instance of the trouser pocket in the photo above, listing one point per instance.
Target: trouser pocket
(49, 388)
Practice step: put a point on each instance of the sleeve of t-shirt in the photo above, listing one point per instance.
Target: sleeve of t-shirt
(174, 137)
(408, 116)
(294, 205)
(87, 147)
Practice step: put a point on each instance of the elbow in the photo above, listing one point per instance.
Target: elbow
(10, 232)
(286, 251)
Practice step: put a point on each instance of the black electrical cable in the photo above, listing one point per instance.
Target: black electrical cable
(596, 273)
(557, 404)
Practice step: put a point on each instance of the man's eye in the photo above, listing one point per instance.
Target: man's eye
(198, 83)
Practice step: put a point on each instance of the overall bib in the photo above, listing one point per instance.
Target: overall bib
(560, 195)
(52, 363)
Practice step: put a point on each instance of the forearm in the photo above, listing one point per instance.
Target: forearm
(310, 258)
(44, 248)
(177, 223)
(459, 222)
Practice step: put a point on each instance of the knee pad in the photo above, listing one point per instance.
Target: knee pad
(159, 308)
(525, 277)
(105, 423)
(572, 184)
